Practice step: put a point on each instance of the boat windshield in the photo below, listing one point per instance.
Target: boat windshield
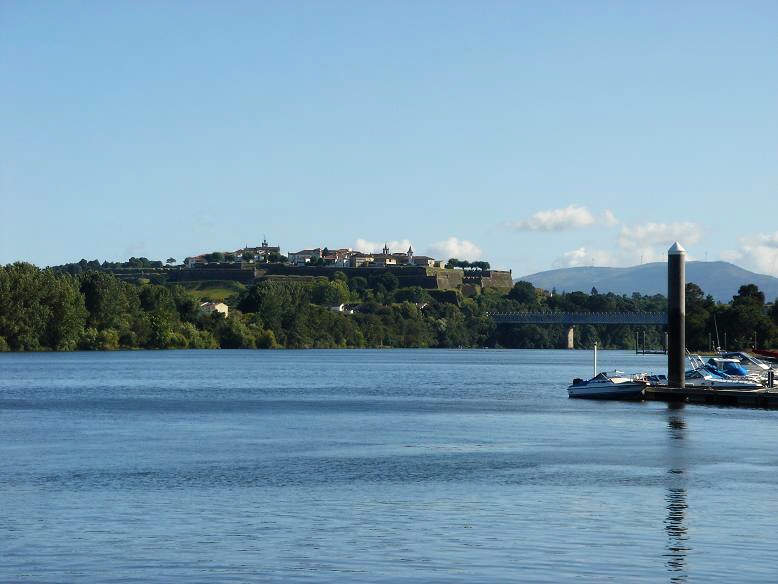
(744, 358)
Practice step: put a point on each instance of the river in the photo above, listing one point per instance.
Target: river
(372, 466)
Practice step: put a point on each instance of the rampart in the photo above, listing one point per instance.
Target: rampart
(429, 278)
(212, 273)
(425, 277)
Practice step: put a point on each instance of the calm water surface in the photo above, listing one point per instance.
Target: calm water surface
(372, 466)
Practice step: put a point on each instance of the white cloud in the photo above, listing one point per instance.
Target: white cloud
(585, 257)
(375, 247)
(758, 253)
(649, 234)
(644, 243)
(566, 219)
(572, 217)
(618, 257)
(455, 248)
(768, 240)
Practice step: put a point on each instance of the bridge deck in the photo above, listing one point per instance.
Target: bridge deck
(573, 318)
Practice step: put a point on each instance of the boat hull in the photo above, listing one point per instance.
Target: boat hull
(621, 391)
(724, 384)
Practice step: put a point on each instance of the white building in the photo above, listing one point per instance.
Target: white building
(300, 258)
(211, 307)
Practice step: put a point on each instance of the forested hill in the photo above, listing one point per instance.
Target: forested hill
(44, 310)
(719, 279)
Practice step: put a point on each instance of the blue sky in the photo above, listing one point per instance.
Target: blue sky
(531, 134)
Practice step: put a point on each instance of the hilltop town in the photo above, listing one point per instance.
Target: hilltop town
(251, 264)
(319, 256)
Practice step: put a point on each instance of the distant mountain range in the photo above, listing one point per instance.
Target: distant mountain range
(719, 279)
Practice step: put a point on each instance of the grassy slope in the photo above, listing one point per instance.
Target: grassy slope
(215, 290)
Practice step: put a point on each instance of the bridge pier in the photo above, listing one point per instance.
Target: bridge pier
(571, 337)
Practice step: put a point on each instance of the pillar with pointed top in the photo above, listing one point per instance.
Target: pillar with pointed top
(676, 316)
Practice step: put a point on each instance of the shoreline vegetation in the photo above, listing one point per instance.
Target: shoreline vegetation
(52, 310)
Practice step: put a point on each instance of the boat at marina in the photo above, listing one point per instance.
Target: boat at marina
(609, 385)
(729, 366)
(709, 375)
(704, 378)
(753, 365)
(717, 372)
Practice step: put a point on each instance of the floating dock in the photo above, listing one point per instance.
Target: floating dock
(676, 389)
(757, 398)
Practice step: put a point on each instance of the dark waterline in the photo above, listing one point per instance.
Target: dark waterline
(372, 466)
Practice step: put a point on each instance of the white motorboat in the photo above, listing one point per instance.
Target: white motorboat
(609, 385)
(705, 378)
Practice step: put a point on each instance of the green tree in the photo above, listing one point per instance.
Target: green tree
(187, 307)
(749, 293)
(105, 298)
(23, 314)
(215, 256)
(415, 294)
(331, 293)
(154, 298)
(389, 281)
(746, 318)
(699, 317)
(234, 334)
(68, 313)
(266, 340)
(358, 284)
(523, 293)
(455, 263)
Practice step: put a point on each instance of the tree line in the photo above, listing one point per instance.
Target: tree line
(46, 309)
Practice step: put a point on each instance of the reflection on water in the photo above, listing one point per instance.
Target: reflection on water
(676, 497)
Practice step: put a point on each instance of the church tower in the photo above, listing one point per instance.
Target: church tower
(386, 249)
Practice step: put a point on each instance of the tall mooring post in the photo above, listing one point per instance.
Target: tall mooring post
(676, 315)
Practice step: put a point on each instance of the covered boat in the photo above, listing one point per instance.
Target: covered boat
(729, 366)
(753, 365)
(708, 374)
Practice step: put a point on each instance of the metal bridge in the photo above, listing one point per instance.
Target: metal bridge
(571, 319)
